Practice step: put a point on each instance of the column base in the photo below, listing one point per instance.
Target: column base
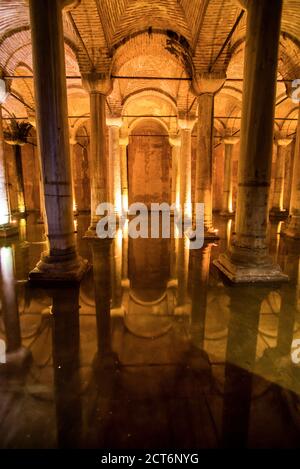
(247, 273)
(8, 230)
(17, 360)
(227, 214)
(52, 269)
(278, 214)
(291, 228)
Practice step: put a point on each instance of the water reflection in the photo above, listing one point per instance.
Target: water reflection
(151, 350)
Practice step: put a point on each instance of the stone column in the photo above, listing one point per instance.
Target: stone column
(227, 187)
(248, 259)
(62, 261)
(175, 143)
(98, 87)
(289, 164)
(277, 210)
(123, 141)
(292, 228)
(206, 85)
(73, 142)
(185, 165)
(6, 227)
(114, 124)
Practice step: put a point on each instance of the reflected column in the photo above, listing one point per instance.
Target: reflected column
(66, 365)
(239, 366)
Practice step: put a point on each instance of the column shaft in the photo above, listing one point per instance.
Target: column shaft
(277, 209)
(115, 168)
(98, 158)
(293, 225)
(124, 174)
(6, 228)
(204, 157)
(185, 171)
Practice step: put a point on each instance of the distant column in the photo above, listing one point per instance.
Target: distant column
(227, 188)
(277, 210)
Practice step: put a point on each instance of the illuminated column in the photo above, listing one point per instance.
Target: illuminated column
(114, 124)
(98, 87)
(62, 261)
(277, 210)
(292, 228)
(124, 173)
(175, 143)
(185, 165)
(247, 259)
(73, 142)
(289, 164)
(227, 188)
(6, 227)
(15, 354)
(206, 85)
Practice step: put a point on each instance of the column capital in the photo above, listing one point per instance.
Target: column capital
(123, 141)
(186, 124)
(175, 140)
(208, 82)
(230, 140)
(3, 91)
(96, 82)
(283, 142)
(114, 121)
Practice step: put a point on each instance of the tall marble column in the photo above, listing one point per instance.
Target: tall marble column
(292, 228)
(98, 87)
(277, 210)
(114, 124)
(6, 227)
(227, 187)
(206, 85)
(123, 141)
(175, 142)
(185, 165)
(247, 259)
(61, 262)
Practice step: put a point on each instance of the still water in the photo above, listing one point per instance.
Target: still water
(152, 350)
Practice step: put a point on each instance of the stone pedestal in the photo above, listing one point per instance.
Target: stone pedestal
(61, 262)
(98, 87)
(6, 227)
(247, 259)
(206, 86)
(277, 211)
(292, 227)
(227, 210)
